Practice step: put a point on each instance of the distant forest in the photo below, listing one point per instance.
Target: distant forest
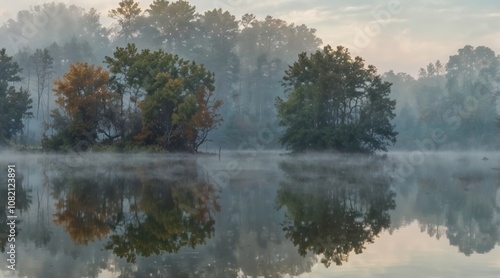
(239, 64)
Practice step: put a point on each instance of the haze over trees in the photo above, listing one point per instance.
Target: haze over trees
(247, 58)
(151, 98)
(215, 39)
(14, 103)
(454, 105)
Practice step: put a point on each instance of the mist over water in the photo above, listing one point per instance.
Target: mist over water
(103, 188)
(252, 213)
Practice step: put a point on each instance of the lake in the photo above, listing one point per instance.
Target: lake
(247, 214)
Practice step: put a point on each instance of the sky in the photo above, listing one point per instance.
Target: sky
(399, 35)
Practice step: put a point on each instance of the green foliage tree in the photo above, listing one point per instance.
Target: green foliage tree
(48, 23)
(126, 14)
(215, 48)
(472, 81)
(14, 103)
(459, 99)
(402, 91)
(178, 110)
(174, 24)
(93, 31)
(334, 102)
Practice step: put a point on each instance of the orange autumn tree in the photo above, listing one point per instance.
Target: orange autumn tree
(204, 120)
(85, 102)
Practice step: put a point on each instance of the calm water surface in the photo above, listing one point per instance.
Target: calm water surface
(254, 215)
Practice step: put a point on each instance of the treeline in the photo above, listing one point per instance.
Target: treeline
(247, 57)
(449, 105)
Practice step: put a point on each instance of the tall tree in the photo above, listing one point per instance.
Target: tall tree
(175, 25)
(403, 91)
(44, 24)
(264, 48)
(14, 103)
(93, 31)
(124, 83)
(472, 80)
(42, 64)
(126, 14)
(334, 102)
(216, 46)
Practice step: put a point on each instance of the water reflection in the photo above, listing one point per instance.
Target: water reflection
(138, 212)
(161, 216)
(335, 207)
(455, 196)
(250, 238)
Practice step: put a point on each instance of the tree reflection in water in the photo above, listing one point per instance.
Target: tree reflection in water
(335, 207)
(140, 211)
(455, 196)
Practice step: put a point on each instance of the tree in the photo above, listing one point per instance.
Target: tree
(126, 15)
(472, 80)
(334, 102)
(174, 23)
(94, 32)
(264, 49)
(44, 24)
(83, 95)
(123, 82)
(402, 91)
(174, 95)
(217, 38)
(42, 62)
(14, 103)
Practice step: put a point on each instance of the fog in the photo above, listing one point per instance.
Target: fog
(444, 98)
(119, 202)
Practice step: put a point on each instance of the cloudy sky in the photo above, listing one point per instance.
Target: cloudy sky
(401, 35)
